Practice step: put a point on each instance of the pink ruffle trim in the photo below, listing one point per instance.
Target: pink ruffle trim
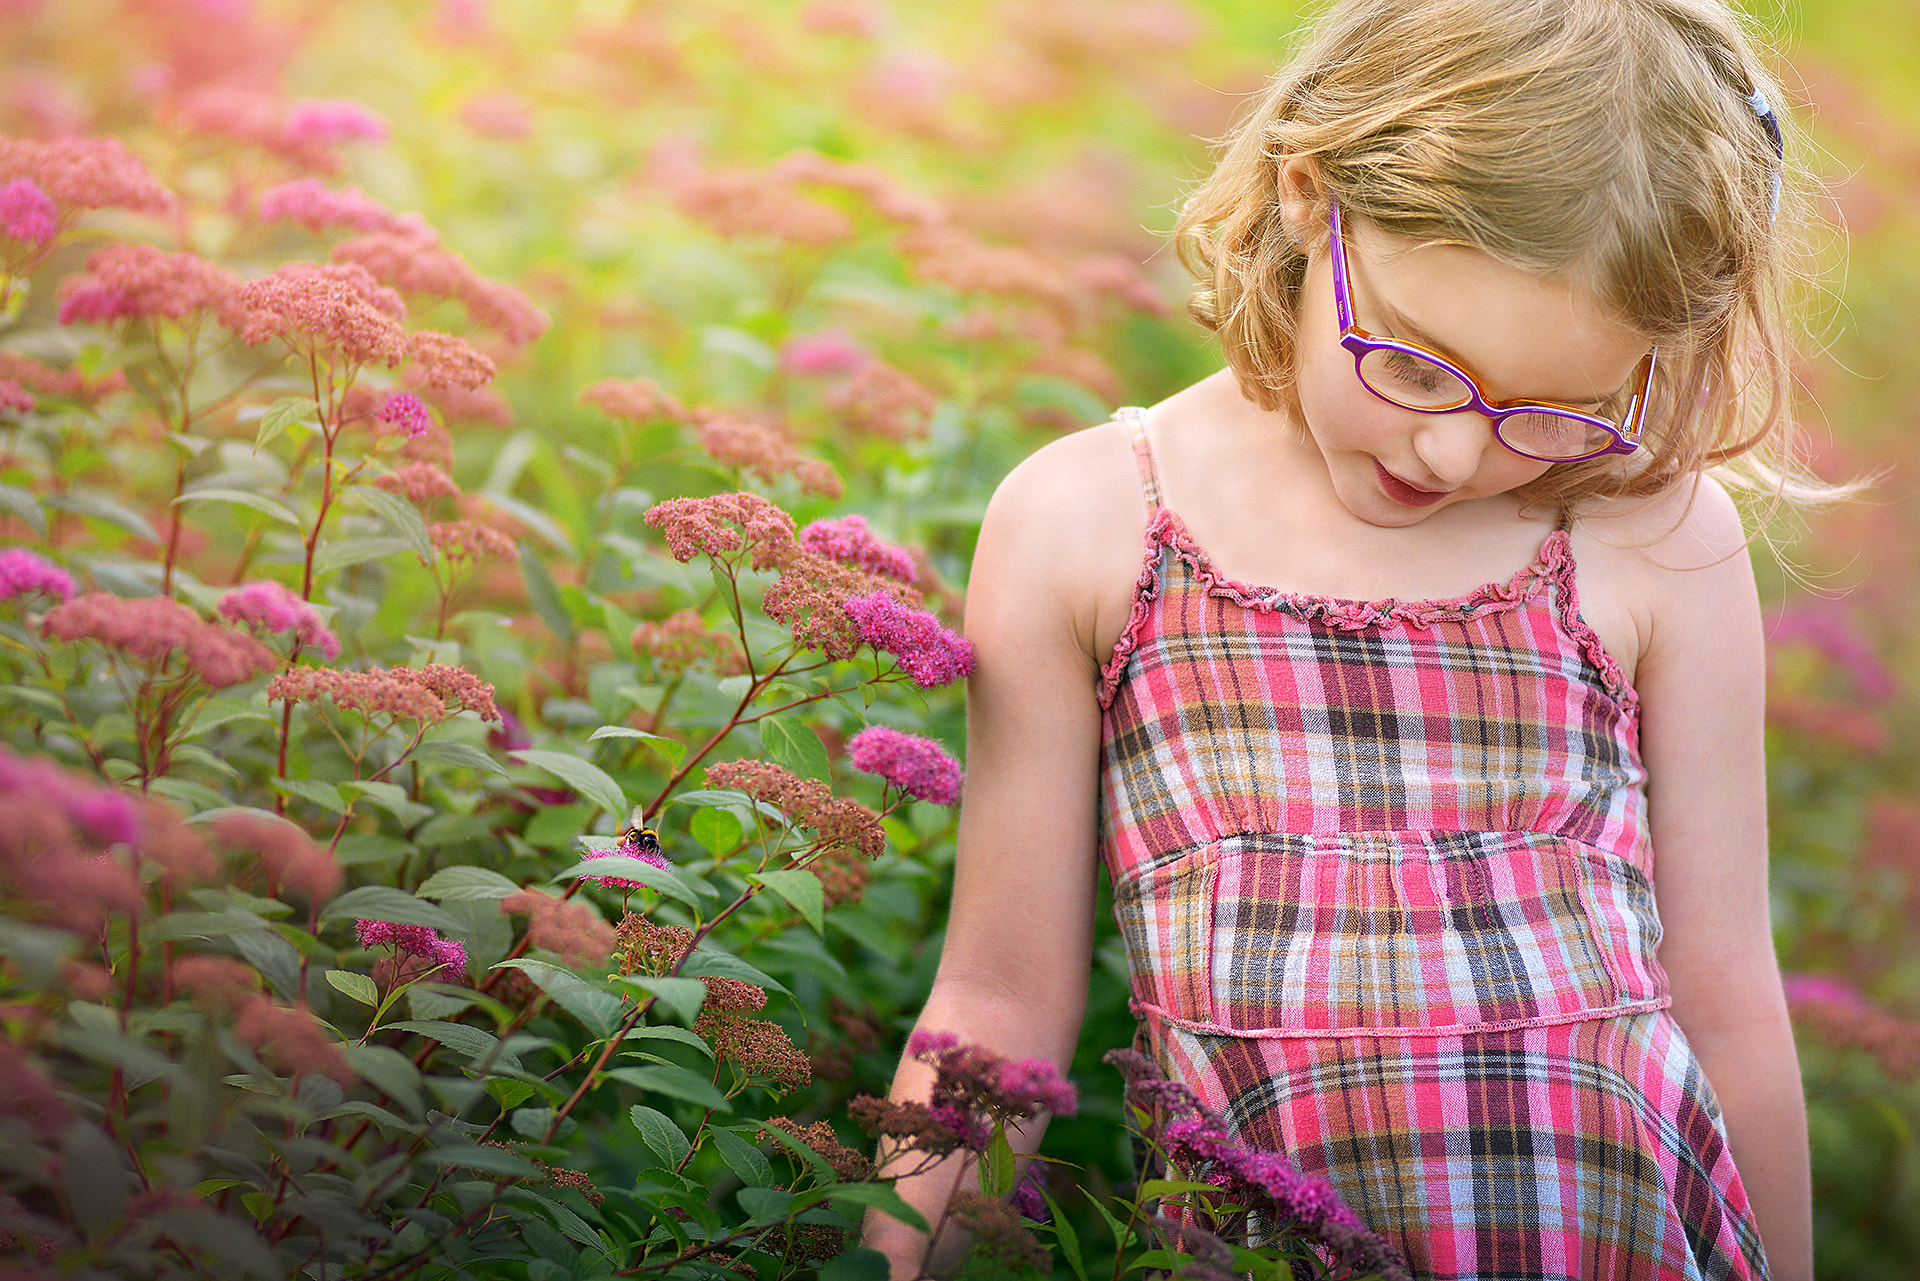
(1553, 564)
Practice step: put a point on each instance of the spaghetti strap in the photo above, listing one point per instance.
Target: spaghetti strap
(1136, 420)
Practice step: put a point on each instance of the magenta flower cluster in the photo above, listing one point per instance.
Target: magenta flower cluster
(975, 1080)
(267, 606)
(917, 766)
(415, 940)
(626, 849)
(408, 412)
(928, 651)
(27, 212)
(851, 542)
(22, 573)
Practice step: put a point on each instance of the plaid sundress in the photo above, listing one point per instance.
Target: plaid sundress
(1383, 874)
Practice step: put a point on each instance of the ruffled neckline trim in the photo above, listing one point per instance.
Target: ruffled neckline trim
(1553, 565)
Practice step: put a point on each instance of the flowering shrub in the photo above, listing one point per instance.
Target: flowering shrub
(480, 576)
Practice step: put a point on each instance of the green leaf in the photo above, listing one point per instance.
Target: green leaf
(597, 1009)
(668, 1032)
(584, 777)
(624, 731)
(478, 1046)
(1067, 1238)
(392, 1072)
(800, 888)
(384, 903)
(85, 502)
(742, 1157)
(482, 1159)
(464, 884)
(457, 755)
(544, 596)
(765, 1205)
(576, 1228)
(680, 997)
(271, 507)
(357, 986)
(862, 1263)
(658, 1130)
(19, 502)
(392, 798)
(338, 553)
(675, 1082)
(625, 866)
(707, 962)
(717, 830)
(326, 795)
(402, 516)
(795, 747)
(289, 411)
(875, 1196)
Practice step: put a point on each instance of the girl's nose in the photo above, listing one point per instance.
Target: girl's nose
(1451, 446)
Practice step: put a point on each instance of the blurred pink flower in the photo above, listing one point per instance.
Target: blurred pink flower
(503, 115)
(886, 401)
(865, 19)
(269, 607)
(290, 857)
(433, 693)
(638, 400)
(1830, 629)
(850, 541)
(22, 573)
(741, 204)
(762, 451)
(15, 399)
(462, 21)
(330, 120)
(408, 256)
(133, 281)
(291, 1037)
(831, 351)
(573, 930)
(419, 483)
(928, 652)
(470, 541)
(917, 766)
(317, 207)
(85, 173)
(151, 629)
(67, 384)
(27, 213)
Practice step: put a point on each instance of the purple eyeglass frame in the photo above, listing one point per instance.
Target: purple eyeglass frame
(1625, 434)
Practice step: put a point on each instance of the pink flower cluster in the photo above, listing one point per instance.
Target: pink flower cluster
(725, 523)
(577, 933)
(55, 826)
(306, 131)
(929, 652)
(27, 213)
(22, 573)
(266, 606)
(648, 854)
(318, 207)
(976, 1080)
(290, 858)
(84, 173)
(132, 281)
(419, 483)
(408, 255)
(432, 693)
(152, 629)
(917, 766)
(851, 542)
(415, 940)
(407, 412)
(341, 306)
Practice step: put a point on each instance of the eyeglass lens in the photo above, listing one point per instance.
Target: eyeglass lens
(1408, 379)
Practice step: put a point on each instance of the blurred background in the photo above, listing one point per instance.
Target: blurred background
(630, 167)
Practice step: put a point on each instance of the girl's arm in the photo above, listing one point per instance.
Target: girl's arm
(1701, 680)
(1014, 968)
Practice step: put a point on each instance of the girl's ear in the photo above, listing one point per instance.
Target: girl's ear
(1302, 197)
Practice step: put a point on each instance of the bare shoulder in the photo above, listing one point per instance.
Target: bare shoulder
(1666, 572)
(1061, 541)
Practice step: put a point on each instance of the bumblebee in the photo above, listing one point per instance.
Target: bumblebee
(643, 838)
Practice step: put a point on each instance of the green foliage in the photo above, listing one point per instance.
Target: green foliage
(691, 252)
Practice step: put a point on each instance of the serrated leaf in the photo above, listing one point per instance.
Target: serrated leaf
(584, 777)
(575, 1227)
(402, 516)
(803, 890)
(326, 795)
(271, 507)
(456, 755)
(481, 1159)
(392, 1072)
(465, 884)
(626, 867)
(675, 1082)
(680, 997)
(742, 1157)
(478, 1046)
(710, 963)
(598, 1010)
(998, 1171)
(659, 1132)
(384, 903)
(282, 414)
(357, 986)
(668, 1032)
(795, 747)
(717, 830)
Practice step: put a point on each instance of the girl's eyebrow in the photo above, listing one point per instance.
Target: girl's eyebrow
(1409, 330)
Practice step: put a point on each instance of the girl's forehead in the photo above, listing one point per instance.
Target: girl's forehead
(1530, 335)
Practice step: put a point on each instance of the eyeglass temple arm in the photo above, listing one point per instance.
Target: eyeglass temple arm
(1342, 291)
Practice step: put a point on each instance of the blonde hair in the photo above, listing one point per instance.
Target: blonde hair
(1610, 141)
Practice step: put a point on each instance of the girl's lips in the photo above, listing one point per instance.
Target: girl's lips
(1405, 494)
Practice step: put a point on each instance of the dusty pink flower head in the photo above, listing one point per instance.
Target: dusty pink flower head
(917, 766)
(407, 412)
(148, 630)
(291, 858)
(337, 305)
(84, 173)
(415, 940)
(574, 930)
(433, 693)
(22, 573)
(471, 541)
(27, 213)
(266, 606)
(928, 651)
(419, 483)
(448, 361)
(132, 281)
(850, 541)
(291, 1037)
(762, 451)
(725, 523)
(639, 400)
(318, 207)
(738, 204)
(409, 256)
(15, 399)
(830, 351)
(331, 120)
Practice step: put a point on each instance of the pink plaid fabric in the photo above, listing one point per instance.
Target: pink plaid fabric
(1383, 874)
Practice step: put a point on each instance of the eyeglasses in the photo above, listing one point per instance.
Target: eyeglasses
(1412, 377)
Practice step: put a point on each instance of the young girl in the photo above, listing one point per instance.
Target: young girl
(1442, 665)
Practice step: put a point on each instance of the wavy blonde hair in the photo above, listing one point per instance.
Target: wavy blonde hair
(1608, 141)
